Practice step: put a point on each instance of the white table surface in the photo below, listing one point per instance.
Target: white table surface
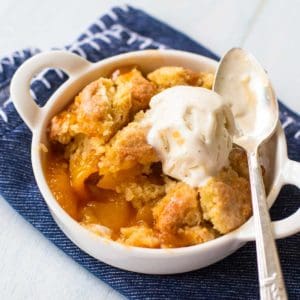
(30, 266)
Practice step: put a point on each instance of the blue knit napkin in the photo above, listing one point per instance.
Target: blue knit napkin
(124, 29)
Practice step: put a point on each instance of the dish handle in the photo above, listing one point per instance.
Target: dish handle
(27, 108)
(291, 224)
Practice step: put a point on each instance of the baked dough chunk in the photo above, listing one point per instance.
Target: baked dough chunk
(103, 107)
(141, 191)
(166, 77)
(91, 114)
(226, 201)
(137, 89)
(61, 125)
(126, 150)
(178, 208)
(139, 236)
(195, 235)
(177, 217)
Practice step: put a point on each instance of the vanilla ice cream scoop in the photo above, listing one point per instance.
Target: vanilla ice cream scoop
(191, 129)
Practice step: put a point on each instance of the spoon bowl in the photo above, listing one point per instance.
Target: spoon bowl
(246, 88)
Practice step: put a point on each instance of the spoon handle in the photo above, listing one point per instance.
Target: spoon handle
(269, 271)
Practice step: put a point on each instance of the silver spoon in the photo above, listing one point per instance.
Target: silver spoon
(245, 86)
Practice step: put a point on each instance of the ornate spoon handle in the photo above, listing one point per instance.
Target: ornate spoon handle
(269, 271)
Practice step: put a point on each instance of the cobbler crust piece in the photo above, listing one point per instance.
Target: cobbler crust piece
(177, 217)
(166, 77)
(139, 236)
(226, 198)
(103, 107)
(127, 149)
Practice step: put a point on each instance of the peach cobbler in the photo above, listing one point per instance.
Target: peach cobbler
(105, 173)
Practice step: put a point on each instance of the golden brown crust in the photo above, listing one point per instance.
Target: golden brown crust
(139, 236)
(91, 114)
(166, 77)
(103, 107)
(176, 212)
(178, 208)
(226, 201)
(133, 85)
(61, 126)
(189, 236)
(128, 149)
(140, 191)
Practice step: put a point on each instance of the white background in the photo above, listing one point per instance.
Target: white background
(30, 266)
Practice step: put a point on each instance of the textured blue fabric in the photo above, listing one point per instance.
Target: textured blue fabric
(121, 30)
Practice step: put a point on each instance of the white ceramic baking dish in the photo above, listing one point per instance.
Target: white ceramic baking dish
(279, 169)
